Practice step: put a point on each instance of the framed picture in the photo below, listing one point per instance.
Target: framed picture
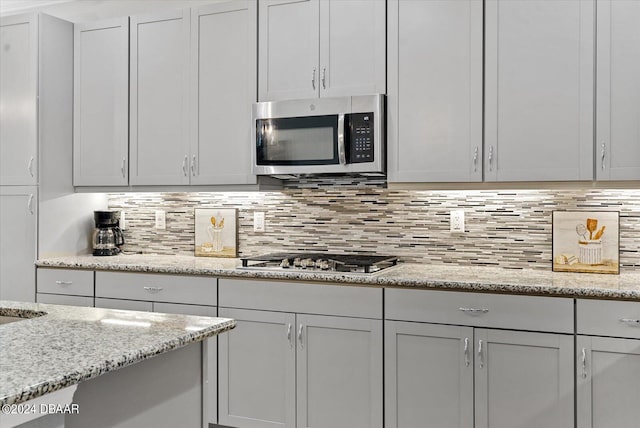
(216, 232)
(586, 241)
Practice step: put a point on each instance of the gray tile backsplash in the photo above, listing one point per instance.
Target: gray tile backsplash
(505, 228)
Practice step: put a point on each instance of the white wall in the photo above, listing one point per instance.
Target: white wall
(91, 10)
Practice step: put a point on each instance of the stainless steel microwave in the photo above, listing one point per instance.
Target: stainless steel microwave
(319, 136)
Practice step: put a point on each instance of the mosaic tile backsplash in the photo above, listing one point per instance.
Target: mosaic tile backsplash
(506, 228)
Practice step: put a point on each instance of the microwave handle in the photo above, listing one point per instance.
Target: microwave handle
(342, 156)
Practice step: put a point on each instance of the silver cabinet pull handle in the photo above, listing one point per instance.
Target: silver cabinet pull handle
(64, 282)
(475, 159)
(491, 158)
(631, 321)
(153, 289)
(30, 166)
(474, 310)
(30, 203)
(480, 353)
(300, 336)
(604, 152)
(193, 165)
(289, 335)
(184, 165)
(324, 77)
(466, 352)
(313, 79)
(122, 168)
(584, 363)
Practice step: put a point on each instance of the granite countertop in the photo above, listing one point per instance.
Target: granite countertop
(465, 278)
(58, 346)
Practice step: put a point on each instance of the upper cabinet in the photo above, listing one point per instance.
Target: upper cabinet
(435, 91)
(618, 90)
(101, 103)
(539, 65)
(159, 102)
(321, 48)
(19, 100)
(224, 84)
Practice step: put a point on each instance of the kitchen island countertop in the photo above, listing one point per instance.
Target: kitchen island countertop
(55, 346)
(625, 286)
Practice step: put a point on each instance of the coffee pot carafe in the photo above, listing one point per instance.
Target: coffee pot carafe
(107, 236)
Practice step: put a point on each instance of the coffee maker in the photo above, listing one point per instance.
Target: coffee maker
(107, 236)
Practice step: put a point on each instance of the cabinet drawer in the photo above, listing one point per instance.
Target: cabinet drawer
(60, 299)
(157, 288)
(127, 305)
(340, 300)
(65, 281)
(608, 318)
(480, 310)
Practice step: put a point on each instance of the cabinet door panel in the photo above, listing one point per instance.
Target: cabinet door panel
(128, 305)
(435, 91)
(61, 299)
(428, 375)
(101, 103)
(352, 47)
(224, 46)
(608, 379)
(18, 243)
(339, 372)
(523, 380)
(539, 59)
(257, 370)
(618, 90)
(159, 99)
(289, 49)
(18, 87)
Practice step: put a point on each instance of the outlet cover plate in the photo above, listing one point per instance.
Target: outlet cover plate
(456, 221)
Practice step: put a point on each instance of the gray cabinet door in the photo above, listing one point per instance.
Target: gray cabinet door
(159, 99)
(539, 80)
(256, 367)
(428, 375)
(618, 90)
(18, 243)
(101, 103)
(19, 87)
(523, 379)
(435, 91)
(608, 379)
(352, 47)
(339, 372)
(223, 55)
(288, 49)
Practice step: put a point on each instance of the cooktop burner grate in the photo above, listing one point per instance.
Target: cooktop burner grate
(320, 262)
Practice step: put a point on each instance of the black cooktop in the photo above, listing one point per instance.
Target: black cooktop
(321, 262)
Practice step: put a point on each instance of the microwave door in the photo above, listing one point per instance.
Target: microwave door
(297, 141)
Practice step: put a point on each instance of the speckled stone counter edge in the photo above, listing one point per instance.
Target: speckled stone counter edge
(615, 287)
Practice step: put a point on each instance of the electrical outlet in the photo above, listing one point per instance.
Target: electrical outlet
(161, 220)
(258, 221)
(456, 221)
(123, 224)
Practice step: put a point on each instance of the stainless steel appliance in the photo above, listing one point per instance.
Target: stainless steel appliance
(107, 235)
(343, 135)
(320, 262)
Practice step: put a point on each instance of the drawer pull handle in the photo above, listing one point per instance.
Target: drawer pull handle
(474, 310)
(466, 352)
(153, 289)
(64, 282)
(631, 321)
(584, 363)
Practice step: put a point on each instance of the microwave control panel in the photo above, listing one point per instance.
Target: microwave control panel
(361, 145)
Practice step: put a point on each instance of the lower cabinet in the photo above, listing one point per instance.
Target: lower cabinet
(61, 299)
(437, 372)
(295, 370)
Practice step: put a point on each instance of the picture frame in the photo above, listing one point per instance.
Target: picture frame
(586, 241)
(216, 232)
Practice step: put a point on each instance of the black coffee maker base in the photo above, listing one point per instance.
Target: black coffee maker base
(107, 252)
